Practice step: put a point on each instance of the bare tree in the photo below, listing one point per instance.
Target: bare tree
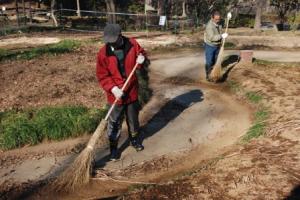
(160, 7)
(30, 14)
(17, 12)
(52, 13)
(183, 8)
(283, 7)
(110, 6)
(78, 8)
(260, 4)
(24, 11)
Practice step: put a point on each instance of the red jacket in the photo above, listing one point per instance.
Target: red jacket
(108, 73)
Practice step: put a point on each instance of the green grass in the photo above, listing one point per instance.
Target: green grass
(234, 86)
(27, 29)
(229, 45)
(266, 63)
(254, 97)
(32, 126)
(259, 126)
(260, 116)
(53, 49)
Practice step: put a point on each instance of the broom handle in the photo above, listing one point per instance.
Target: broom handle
(123, 88)
(226, 30)
(223, 42)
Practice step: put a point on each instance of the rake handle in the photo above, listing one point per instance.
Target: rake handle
(123, 88)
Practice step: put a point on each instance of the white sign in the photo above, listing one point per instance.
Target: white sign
(162, 20)
(3, 9)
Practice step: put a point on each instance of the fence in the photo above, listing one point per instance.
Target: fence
(88, 20)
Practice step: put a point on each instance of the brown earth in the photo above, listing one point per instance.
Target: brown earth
(51, 80)
(265, 168)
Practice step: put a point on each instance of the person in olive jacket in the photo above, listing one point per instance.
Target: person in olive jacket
(212, 40)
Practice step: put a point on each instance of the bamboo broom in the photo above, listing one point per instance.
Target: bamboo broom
(79, 172)
(216, 72)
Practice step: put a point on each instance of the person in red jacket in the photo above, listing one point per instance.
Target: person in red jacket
(115, 61)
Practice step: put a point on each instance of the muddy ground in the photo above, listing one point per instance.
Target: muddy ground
(218, 167)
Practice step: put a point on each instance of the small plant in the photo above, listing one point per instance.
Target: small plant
(229, 45)
(253, 97)
(259, 126)
(234, 86)
(53, 49)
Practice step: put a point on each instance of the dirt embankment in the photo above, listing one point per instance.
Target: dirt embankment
(265, 168)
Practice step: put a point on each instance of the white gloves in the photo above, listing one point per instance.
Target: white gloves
(229, 16)
(224, 35)
(118, 93)
(140, 59)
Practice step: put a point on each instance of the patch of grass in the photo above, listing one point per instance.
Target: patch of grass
(254, 97)
(266, 63)
(229, 45)
(260, 116)
(234, 86)
(262, 62)
(259, 126)
(32, 126)
(27, 29)
(135, 187)
(53, 49)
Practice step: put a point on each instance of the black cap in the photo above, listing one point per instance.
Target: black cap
(111, 33)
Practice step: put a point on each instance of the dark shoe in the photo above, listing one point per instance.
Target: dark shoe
(114, 155)
(208, 79)
(136, 144)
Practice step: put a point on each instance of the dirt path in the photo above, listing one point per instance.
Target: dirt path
(179, 118)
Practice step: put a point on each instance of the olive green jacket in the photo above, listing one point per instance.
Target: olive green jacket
(212, 34)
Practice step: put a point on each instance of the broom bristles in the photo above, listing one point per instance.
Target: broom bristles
(79, 172)
(216, 73)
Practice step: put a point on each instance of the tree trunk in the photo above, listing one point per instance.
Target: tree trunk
(260, 5)
(30, 14)
(110, 6)
(160, 7)
(24, 12)
(183, 9)
(52, 13)
(17, 12)
(257, 23)
(78, 8)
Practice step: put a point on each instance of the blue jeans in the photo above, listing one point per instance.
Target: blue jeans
(211, 55)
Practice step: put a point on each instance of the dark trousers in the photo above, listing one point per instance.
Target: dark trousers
(131, 112)
(211, 55)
